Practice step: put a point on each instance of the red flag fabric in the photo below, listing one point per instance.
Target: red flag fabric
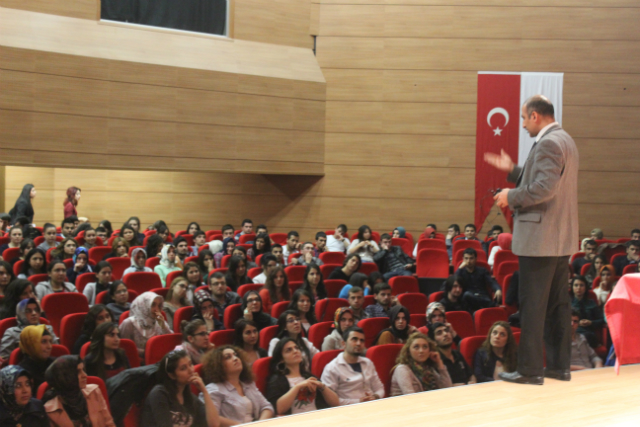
(623, 317)
(497, 128)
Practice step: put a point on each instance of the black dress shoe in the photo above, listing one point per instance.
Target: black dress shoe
(515, 377)
(558, 374)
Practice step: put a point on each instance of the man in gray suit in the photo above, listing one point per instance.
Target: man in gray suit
(545, 206)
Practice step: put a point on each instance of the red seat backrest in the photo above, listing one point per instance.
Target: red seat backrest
(172, 276)
(418, 320)
(253, 272)
(368, 300)
(613, 252)
(327, 269)
(71, 328)
(294, 286)
(247, 238)
(266, 335)
(404, 284)
(318, 332)
(243, 289)
(10, 254)
(84, 279)
(431, 244)
(433, 263)
(368, 268)
(98, 252)
(295, 273)
(225, 336)
(372, 327)
(260, 370)
(231, 314)
(326, 308)
(404, 244)
(17, 267)
(486, 317)
(462, 323)
(278, 308)
(225, 261)
(436, 296)
(57, 350)
(123, 316)
(118, 266)
(160, 345)
(416, 303)
(469, 346)
(384, 358)
(127, 345)
(334, 286)
(507, 267)
(152, 262)
(142, 281)
(576, 256)
(183, 313)
(332, 257)
(37, 278)
(463, 244)
(322, 359)
(293, 256)
(504, 256)
(212, 233)
(629, 269)
(279, 238)
(59, 305)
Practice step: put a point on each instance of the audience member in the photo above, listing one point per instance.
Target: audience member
(591, 317)
(354, 378)
(338, 242)
(252, 310)
(436, 313)
(16, 291)
(492, 236)
(204, 309)
(176, 298)
(452, 300)
(90, 238)
(107, 226)
(276, 289)
(57, 271)
(470, 232)
(105, 358)
(28, 313)
(504, 241)
(193, 228)
(228, 245)
(67, 226)
(419, 367)
(15, 236)
(268, 262)
(219, 294)
(391, 260)
(633, 255)
(356, 302)
(399, 330)
(599, 261)
(261, 246)
(292, 246)
(302, 302)
(145, 321)
(66, 249)
(80, 264)
(199, 241)
(26, 245)
(103, 281)
(182, 249)
(119, 299)
(134, 222)
(6, 276)
(36, 343)
(206, 263)
(351, 264)
(590, 248)
(382, 294)
(138, 262)
(364, 245)
(195, 340)
(289, 326)
(119, 249)
(247, 338)
(276, 251)
(18, 407)
(247, 228)
(606, 285)
(228, 231)
(582, 355)
(130, 235)
(97, 315)
(313, 282)
(459, 370)
(357, 280)
(232, 389)
(237, 273)
(168, 263)
(154, 247)
(308, 256)
(101, 232)
(497, 354)
(476, 282)
(291, 388)
(50, 237)
(321, 244)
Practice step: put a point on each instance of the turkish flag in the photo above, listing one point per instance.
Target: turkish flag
(497, 128)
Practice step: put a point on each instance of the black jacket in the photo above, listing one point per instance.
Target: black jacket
(278, 386)
(34, 416)
(128, 387)
(382, 258)
(22, 208)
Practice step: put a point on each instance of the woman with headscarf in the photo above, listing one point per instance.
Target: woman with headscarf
(400, 233)
(23, 206)
(18, 407)
(607, 283)
(504, 244)
(36, 343)
(28, 313)
(437, 313)
(17, 290)
(80, 264)
(70, 203)
(204, 309)
(399, 330)
(167, 263)
(97, 315)
(342, 321)
(228, 245)
(102, 283)
(138, 261)
(145, 320)
(252, 310)
(70, 401)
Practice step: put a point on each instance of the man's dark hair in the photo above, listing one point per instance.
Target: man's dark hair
(591, 242)
(448, 284)
(470, 251)
(635, 243)
(179, 240)
(216, 275)
(635, 231)
(49, 225)
(343, 228)
(455, 227)
(101, 229)
(261, 226)
(575, 313)
(355, 289)
(292, 233)
(199, 233)
(433, 328)
(496, 228)
(381, 287)
(227, 227)
(69, 220)
(435, 227)
(246, 221)
(385, 236)
(345, 334)
(320, 234)
(264, 261)
(540, 105)
(470, 225)
(276, 245)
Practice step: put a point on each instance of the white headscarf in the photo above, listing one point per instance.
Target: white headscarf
(133, 259)
(143, 318)
(164, 257)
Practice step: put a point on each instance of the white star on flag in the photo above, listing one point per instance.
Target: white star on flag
(497, 131)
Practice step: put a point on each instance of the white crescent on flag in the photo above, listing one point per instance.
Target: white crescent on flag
(498, 110)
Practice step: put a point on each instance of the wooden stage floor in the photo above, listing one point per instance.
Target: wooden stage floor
(594, 397)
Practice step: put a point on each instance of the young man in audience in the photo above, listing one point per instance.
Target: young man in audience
(354, 378)
(452, 300)
(89, 238)
(101, 232)
(227, 231)
(382, 294)
(633, 255)
(391, 260)
(492, 236)
(338, 242)
(635, 234)
(307, 256)
(199, 239)
(50, 234)
(590, 247)
(321, 243)
(582, 355)
(356, 301)
(276, 251)
(268, 262)
(221, 297)
(459, 370)
(470, 232)
(247, 228)
(476, 282)
(261, 229)
(182, 248)
(452, 232)
(67, 226)
(292, 246)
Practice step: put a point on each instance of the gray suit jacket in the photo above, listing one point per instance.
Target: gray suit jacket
(545, 200)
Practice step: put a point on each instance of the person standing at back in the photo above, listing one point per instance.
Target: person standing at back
(545, 206)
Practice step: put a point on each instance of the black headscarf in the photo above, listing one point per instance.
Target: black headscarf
(393, 314)
(8, 377)
(261, 319)
(62, 377)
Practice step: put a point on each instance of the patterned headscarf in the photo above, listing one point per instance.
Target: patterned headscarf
(8, 377)
(80, 250)
(164, 257)
(21, 308)
(62, 377)
(30, 339)
(338, 316)
(144, 320)
(433, 307)
(134, 253)
(198, 299)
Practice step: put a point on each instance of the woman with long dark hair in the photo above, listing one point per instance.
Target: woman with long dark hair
(134, 222)
(118, 299)
(247, 338)
(17, 290)
(313, 282)
(65, 249)
(276, 289)
(71, 202)
(57, 271)
(237, 274)
(154, 246)
(106, 224)
(18, 407)
(97, 315)
(289, 326)
(129, 234)
(364, 245)
(34, 263)
(252, 310)
(192, 228)
(105, 358)
(228, 245)
(23, 206)
(191, 272)
(6, 276)
(261, 246)
(303, 303)
(498, 353)
(206, 263)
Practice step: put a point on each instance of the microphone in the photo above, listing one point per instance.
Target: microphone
(496, 191)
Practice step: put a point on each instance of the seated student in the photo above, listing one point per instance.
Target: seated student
(302, 302)
(437, 313)
(18, 407)
(90, 238)
(28, 313)
(118, 299)
(119, 249)
(193, 228)
(492, 236)
(261, 246)
(105, 358)
(138, 261)
(582, 355)
(236, 275)
(357, 280)
(176, 298)
(354, 378)
(130, 235)
(292, 246)
(399, 330)
(504, 243)
(497, 354)
(34, 263)
(15, 292)
(6, 276)
(228, 245)
(57, 271)
(65, 249)
(241, 252)
(590, 248)
(232, 389)
(419, 367)
(36, 343)
(364, 245)
(247, 228)
(321, 244)
(182, 249)
(268, 262)
(219, 294)
(606, 285)
(103, 234)
(154, 247)
(459, 371)
(145, 321)
(356, 301)
(392, 261)
(204, 309)
(199, 240)
(247, 338)
(307, 257)
(291, 388)
(206, 263)
(594, 271)
(313, 282)
(134, 222)
(470, 232)
(168, 263)
(351, 265)
(97, 315)
(67, 226)
(103, 281)
(50, 237)
(26, 245)
(343, 320)
(452, 300)
(591, 317)
(289, 326)
(195, 340)
(191, 272)
(384, 301)
(15, 236)
(252, 310)
(476, 282)
(337, 242)
(277, 251)
(171, 402)
(276, 289)
(633, 256)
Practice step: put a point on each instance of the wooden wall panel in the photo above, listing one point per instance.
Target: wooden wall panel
(84, 9)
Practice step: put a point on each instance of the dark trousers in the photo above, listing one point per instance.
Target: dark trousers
(477, 301)
(545, 314)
